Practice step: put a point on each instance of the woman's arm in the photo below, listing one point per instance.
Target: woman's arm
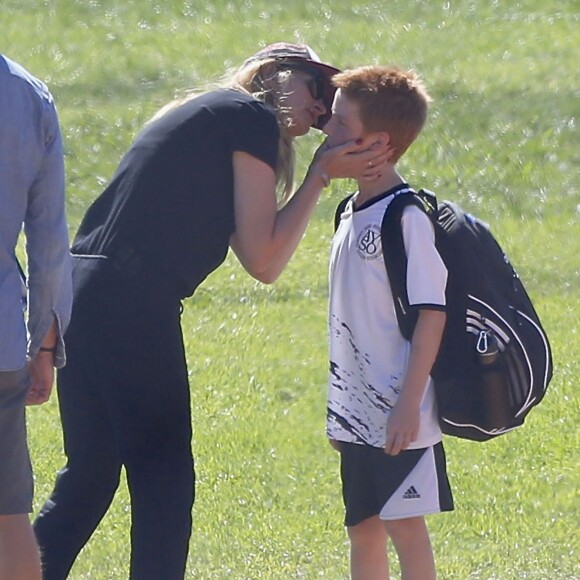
(266, 237)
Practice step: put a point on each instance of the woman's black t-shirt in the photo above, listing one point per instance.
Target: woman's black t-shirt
(168, 212)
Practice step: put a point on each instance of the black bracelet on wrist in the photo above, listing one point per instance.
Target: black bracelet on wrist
(47, 349)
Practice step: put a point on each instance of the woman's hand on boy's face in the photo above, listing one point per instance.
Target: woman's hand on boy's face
(368, 159)
(378, 143)
(354, 160)
(377, 166)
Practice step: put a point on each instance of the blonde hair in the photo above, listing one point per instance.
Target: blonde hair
(389, 100)
(254, 79)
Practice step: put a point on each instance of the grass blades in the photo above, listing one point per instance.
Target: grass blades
(502, 140)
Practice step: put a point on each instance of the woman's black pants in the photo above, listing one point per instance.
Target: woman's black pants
(124, 402)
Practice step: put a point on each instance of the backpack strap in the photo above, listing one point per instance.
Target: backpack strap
(340, 210)
(394, 254)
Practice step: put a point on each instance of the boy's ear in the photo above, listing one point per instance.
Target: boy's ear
(381, 141)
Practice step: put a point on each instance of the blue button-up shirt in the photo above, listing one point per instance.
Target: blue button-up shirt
(31, 194)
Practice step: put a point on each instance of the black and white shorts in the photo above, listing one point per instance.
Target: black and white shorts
(16, 483)
(411, 484)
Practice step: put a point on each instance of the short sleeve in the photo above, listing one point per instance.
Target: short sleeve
(256, 132)
(426, 271)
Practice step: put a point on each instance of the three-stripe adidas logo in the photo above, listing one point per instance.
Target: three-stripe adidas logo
(411, 493)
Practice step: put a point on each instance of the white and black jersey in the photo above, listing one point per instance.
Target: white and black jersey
(368, 354)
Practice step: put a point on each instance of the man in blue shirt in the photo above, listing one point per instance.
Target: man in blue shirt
(31, 194)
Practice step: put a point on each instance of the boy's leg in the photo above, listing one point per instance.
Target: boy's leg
(367, 534)
(368, 550)
(396, 489)
(423, 488)
(19, 556)
(411, 540)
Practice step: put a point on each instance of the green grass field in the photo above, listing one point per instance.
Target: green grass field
(502, 140)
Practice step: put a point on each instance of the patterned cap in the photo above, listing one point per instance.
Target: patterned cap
(302, 53)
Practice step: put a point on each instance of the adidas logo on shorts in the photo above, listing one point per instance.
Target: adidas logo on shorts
(411, 493)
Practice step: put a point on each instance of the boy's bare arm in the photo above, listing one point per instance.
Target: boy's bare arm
(403, 424)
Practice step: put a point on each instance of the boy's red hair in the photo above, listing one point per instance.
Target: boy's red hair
(389, 100)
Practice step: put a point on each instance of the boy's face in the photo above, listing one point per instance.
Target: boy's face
(345, 123)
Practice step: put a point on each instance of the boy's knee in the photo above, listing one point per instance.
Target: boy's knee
(367, 532)
(406, 529)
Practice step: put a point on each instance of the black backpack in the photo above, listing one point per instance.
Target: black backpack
(495, 362)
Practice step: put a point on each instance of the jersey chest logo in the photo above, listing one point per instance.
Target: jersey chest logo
(369, 243)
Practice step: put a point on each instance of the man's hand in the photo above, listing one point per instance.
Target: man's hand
(402, 427)
(41, 369)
